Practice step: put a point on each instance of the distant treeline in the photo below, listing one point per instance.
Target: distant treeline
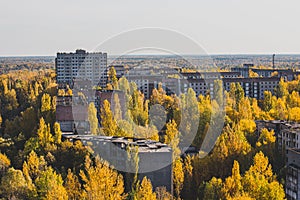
(8, 64)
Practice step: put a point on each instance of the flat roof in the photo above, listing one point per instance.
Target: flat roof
(143, 144)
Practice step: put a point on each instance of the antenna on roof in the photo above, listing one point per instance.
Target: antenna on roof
(273, 61)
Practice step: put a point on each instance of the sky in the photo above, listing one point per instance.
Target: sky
(40, 27)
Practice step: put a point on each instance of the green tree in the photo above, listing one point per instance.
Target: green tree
(28, 122)
(50, 185)
(212, 189)
(219, 92)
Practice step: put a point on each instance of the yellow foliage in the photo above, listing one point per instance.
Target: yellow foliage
(101, 182)
(144, 191)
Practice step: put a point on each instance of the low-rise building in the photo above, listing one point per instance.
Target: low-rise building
(71, 114)
(154, 158)
(292, 189)
(288, 142)
(289, 136)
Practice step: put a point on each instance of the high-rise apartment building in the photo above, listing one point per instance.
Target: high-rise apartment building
(82, 66)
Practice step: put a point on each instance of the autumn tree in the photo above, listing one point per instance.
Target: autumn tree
(57, 133)
(238, 94)
(112, 77)
(117, 108)
(109, 124)
(45, 103)
(4, 163)
(259, 181)
(92, 117)
(233, 186)
(281, 90)
(189, 117)
(266, 137)
(72, 186)
(35, 165)
(28, 122)
(178, 176)
(267, 102)
(187, 191)
(13, 185)
(294, 114)
(172, 138)
(144, 190)
(44, 134)
(101, 182)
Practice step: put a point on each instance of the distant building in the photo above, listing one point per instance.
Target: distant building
(145, 82)
(292, 189)
(155, 158)
(289, 136)
(253, 87)
(286, 74)
(288, 142)
(287, 133)
(201, 82)
(82, 66)
(270, 125)
(72, 115)
(243, 70)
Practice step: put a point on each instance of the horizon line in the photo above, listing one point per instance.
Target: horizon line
(212, 54)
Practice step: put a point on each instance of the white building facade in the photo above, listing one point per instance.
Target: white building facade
(83, 66)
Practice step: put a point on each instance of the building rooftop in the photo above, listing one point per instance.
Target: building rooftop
(143, 145)
(294, 150)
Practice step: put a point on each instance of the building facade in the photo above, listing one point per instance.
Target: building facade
(288, 143)
(154, 158)
(83, 66)
(292, 189)
(72, 114)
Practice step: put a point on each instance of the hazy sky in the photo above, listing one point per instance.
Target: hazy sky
(39, 27)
